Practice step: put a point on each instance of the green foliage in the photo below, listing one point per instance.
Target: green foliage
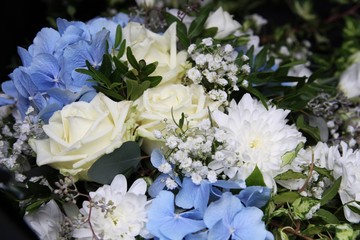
(122, 79)
(123, 160)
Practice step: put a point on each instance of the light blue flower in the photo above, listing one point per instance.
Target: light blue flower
(255, 196)
(164, 223)
(48, 79)
(196, 196)
(228, 218)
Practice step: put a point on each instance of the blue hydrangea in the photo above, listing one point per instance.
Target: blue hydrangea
(47, 79)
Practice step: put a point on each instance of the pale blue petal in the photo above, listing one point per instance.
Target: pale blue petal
(219, 231)
(203, 235)
(45, 71)
(229, 184)
(226, 207)
(255, 196)
(179, 227)
(157, 185)
(248, 224)
(44, 42)
(269, 236)
(122, 19)
(23, 83)
(186, 196)
(9, 88)
(160, 211)
(25, 56)
(157, 158)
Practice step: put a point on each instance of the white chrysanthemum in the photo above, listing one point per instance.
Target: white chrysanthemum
(46, 221)
(348, 166)
(262, 136)
(116, 213)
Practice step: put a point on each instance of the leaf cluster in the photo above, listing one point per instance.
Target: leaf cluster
(122, 79)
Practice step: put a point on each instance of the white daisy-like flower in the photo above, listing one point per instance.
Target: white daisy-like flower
(46, 221)
(116, 213)
(261, 136)
(348, 166)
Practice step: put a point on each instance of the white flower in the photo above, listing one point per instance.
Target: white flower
(348, 167)
(116, 213)
(153, 47)
(321, 156)
(207, 41)
(194, 75)
(262, 136)
(168, 101)
(145, 3)
(46, 221)
(349, 82)
(224, 22)
(82, 132)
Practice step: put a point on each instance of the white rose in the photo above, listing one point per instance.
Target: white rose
(224, 22)
(153, 47)
(145, 3)
(156, 103)
(82, 132)
(349, 82)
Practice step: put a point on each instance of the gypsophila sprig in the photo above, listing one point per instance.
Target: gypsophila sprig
(215, 68)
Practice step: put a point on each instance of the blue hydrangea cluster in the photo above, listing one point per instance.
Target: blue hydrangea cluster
(206, 210)
(47, 79)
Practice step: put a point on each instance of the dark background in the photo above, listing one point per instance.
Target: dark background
(20, 20)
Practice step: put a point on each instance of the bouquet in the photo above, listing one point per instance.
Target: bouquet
(184, 122)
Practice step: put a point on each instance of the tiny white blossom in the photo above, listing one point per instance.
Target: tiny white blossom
(245, 68)
(172, 142)
(207, 41)
(157, 134)
(244, 58)
(170, 184)
(212, 176)
(165, 168)
(200, 59)
(196, 178)
(228, 48)
(191, 48)
(194, 75)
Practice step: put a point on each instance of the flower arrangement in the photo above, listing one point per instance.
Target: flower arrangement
(182, 123)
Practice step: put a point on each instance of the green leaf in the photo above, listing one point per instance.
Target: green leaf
(255, 178)
(120, 161)
(197, 26)
(106, 65)
(290, 174)
(324, 172)
(209, 32)
(154, 80)
(354, 209)
(286, 197)
(132, 60)
(120, 65)
(327, 216)
(331, 192)
(288, 157)
(260, 59)
(313, 132)
(149, 69)
(121, 49)
(118, 36)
